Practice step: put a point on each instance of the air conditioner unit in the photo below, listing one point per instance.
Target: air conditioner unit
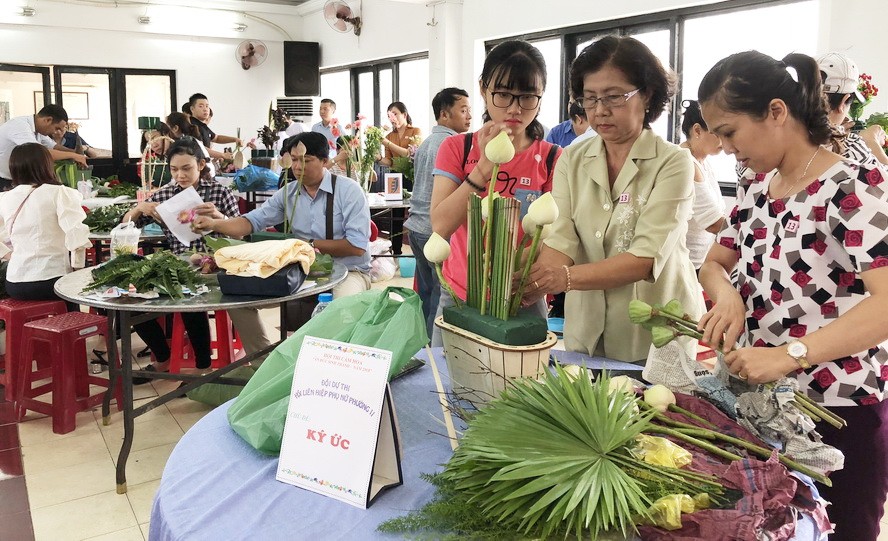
(303, 110)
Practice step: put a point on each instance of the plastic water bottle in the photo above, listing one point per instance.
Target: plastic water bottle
(324, 300)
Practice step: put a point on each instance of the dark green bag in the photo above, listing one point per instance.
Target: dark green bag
(388, 319)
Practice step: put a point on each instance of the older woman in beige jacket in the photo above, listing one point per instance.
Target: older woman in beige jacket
(624, 198)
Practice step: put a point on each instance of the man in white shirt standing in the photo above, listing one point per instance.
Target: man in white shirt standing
(325, 126)
(39, 128)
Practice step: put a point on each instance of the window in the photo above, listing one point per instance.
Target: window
(335, 85)
(551, 112)
(413, 91)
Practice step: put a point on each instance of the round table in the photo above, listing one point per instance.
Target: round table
(127, 311)
(215, 486)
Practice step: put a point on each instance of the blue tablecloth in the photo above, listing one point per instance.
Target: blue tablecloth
(215, 486)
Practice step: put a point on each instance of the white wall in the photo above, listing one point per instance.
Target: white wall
(81, 35)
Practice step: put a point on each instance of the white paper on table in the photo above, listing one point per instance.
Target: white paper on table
(169, 212)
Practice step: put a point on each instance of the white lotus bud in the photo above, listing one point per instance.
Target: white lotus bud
(299, 150)
(500, 149)
(544, 210)
(287, 160)
(620, 384)
(239, 161)
(436, 250)
(485, 202)
(659, 397)
(530, 227)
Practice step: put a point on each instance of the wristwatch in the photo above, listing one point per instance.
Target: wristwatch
(311, 242)
(798, 351)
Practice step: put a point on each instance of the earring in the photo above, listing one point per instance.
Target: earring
(647, 110)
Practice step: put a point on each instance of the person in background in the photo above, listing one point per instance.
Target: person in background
(708, 215)
(348, 241)
(453, 113)
(624, 200)
(42, 221)
(840, 80)
(512, 84)
(397, 143)
(201, 113)
(576, 124)
(188, 165)
(325, 126)
(812, 256)
(293, 127)
(179, 125)
(51, 120)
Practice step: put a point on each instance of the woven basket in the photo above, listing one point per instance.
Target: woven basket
(479, 368)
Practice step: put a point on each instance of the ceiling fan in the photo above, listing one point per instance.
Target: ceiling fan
(341, 17)
(251, 53)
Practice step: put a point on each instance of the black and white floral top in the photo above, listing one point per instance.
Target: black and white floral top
(800, 264)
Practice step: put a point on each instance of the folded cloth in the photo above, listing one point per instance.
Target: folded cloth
(264, 258)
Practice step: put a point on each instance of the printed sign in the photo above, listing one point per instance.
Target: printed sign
(340, 437)
(394, 187)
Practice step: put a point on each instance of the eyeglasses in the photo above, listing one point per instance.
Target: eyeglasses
(610, 102)
(506, 99)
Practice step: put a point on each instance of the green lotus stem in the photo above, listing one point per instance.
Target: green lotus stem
(476, 238)
(487, 239)
(521, 246)
(804, 409)
(676, 474)
(446, 285)
(534, 247)
(760, 451)
(713, 449)
(681, 411)
(827, 415)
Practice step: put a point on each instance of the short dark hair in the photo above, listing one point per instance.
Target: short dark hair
(517, 65)
(692, 115)
(56, 112)
(745, 83)
(331, 102)
(576, 111)
(315, 144)
(640, 66)
(186, 107)
(31, 163)
(835, 100)
(197, 96)
(399, 105)
(445, 99)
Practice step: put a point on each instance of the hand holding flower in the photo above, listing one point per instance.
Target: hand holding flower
(726, 319)
(760, 364)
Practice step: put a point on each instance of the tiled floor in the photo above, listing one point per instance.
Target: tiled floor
(66, 487)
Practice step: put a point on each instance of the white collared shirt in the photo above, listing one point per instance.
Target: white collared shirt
(18, 131)
(48, 227)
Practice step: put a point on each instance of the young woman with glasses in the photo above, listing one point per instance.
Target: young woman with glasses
(625, 198)
(512, 82)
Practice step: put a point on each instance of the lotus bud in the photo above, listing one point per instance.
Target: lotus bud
(287, 160)
(639, 311)
(659, 397)
(544, 210)
(500, 149)
(436, 249)
(299, 150)
(674, 308)
(572, 370)
(240, 161)
(621, 384)
(662, 336)
(528, 225)
(485, 202)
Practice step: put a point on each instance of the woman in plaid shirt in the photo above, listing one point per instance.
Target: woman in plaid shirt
(188, 166)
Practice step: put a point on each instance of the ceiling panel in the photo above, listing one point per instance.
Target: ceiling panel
(278, 2)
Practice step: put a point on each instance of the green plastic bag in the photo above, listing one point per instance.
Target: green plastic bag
(216, 394)
(372, 318)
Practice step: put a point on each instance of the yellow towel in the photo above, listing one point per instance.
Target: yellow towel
(264, 258)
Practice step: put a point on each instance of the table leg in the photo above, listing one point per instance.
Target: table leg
(283, 308)
(126, 367)
(113, 370)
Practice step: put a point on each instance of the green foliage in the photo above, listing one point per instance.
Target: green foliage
(119, 189)
(322, 266)
(214, 243)
(403, 165)
(105, 218)
(878, 118)
(162, 271)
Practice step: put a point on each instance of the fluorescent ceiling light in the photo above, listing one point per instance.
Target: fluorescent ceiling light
(239, 27)
(28, 11)
(144, 19)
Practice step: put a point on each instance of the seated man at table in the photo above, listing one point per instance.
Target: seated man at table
(329, 211)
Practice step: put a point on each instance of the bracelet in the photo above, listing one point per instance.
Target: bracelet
(473, 185)
(567, 272)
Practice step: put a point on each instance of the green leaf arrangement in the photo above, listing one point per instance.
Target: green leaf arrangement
(555, 456)
(162, 271)
(103, 219)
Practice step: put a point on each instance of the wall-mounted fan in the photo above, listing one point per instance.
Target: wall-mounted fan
(250, 53)
(341, 18)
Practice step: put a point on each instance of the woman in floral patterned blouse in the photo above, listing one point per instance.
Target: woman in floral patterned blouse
(810, 241)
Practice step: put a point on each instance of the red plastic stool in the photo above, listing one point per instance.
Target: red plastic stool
(225, 344)
(66, 335)
(15, 314)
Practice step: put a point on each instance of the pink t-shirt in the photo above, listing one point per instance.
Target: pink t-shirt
(524, 178)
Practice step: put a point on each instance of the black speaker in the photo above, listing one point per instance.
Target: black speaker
(301, 65)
